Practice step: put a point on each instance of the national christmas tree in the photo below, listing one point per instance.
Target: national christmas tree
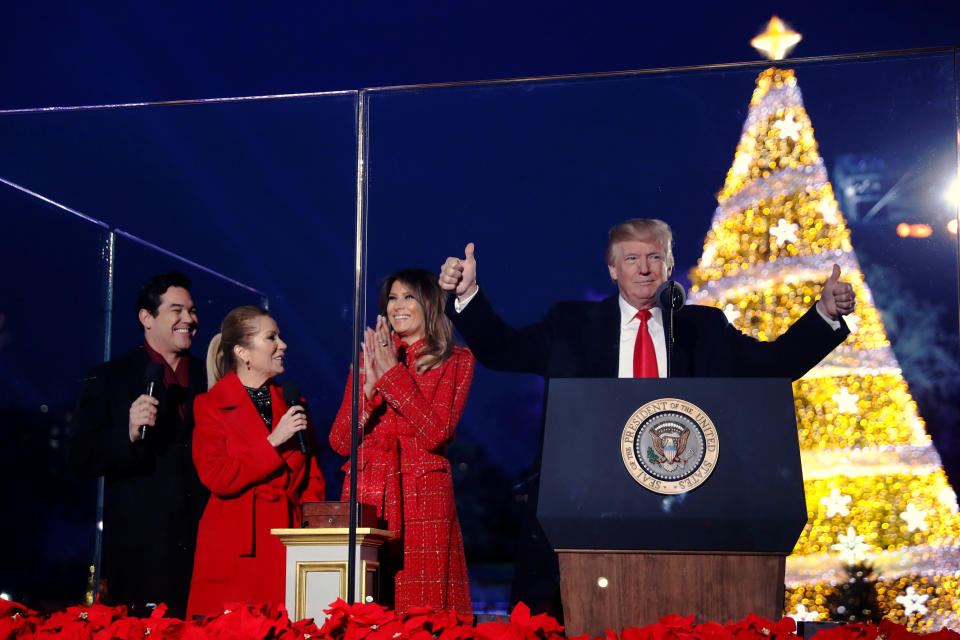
(883, 526)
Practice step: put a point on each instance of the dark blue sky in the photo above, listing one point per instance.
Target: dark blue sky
(63, 52)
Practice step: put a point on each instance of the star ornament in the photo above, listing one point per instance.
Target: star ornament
(777, 41)
(916, 518)
(784, 232)
(789, 128)
(852, 548)
(913, 602)
(836, 504)
(846, 401)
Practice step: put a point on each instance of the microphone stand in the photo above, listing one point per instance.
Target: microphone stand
(670, 332)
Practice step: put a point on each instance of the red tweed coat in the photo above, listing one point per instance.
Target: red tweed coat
(254, 488)
(404, 472)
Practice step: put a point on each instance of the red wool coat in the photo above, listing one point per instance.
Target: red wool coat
(404, 472)
(254, 488)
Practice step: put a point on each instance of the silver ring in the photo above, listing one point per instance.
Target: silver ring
(383, 344)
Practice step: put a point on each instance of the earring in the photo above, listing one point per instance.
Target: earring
(248, 365)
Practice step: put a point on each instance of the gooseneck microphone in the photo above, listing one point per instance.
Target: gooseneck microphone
(670, 297)
(154, 378)
(291, 395)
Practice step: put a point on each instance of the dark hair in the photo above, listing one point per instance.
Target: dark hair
(437, 326)
(152, 289)
(236, 329)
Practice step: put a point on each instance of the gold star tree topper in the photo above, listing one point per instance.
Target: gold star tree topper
(777, 41)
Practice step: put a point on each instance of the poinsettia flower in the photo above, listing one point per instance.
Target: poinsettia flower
(371, 613)
(122, 629)
(393, 630)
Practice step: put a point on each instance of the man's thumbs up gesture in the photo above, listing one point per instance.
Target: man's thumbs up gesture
(837, 298)
(460, 275)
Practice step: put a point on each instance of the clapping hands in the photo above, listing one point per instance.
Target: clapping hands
(379, 355)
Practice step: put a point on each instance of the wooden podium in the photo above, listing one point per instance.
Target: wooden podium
(316, 562)
(629, 555)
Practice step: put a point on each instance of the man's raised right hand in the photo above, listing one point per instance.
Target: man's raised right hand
(460, 275)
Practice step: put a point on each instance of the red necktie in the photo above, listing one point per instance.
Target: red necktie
(644, 356)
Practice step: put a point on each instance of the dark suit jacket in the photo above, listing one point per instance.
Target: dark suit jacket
(153, 498)
(581, 339)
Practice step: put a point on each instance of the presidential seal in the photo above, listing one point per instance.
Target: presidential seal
(669, 446)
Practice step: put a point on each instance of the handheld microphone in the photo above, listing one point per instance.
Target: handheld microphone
(154, 378)
(291, 395)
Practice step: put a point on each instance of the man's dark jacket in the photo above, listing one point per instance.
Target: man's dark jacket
(581, 339)
(153, 498)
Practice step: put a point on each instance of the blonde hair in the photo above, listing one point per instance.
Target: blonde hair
(642, 229)
(235, 330)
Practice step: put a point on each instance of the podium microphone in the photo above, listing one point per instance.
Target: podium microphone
(154, 378)
(291, 395)
(670, 297)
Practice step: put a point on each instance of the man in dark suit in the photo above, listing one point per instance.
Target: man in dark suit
(141, 445)
(625, 335)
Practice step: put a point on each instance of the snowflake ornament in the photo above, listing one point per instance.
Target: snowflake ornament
(828, 209)
(802, 615)
(948, 498)
(784, 232)
(732, 312)
(851, 547)
(916, 518)
(913, 602)
(741, 163)
(789, 128)
(846, 401)
(836, 504)
(709, 253)
(853, 322)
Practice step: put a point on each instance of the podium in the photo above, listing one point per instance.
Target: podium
(673, 496)
(316, 568)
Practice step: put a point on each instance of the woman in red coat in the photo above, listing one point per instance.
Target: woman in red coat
(246, 454)
(415, 383)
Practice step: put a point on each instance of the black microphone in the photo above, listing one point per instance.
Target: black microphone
(154, 378)
(291, 395)
(670, 297)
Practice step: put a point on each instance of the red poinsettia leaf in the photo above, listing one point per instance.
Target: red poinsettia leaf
(546, 623)
(611, 635)
(520, 614)
(673, 620)
(634, 633)
(713, 631)
(421, 634)
(370, 613)
(122, 629)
